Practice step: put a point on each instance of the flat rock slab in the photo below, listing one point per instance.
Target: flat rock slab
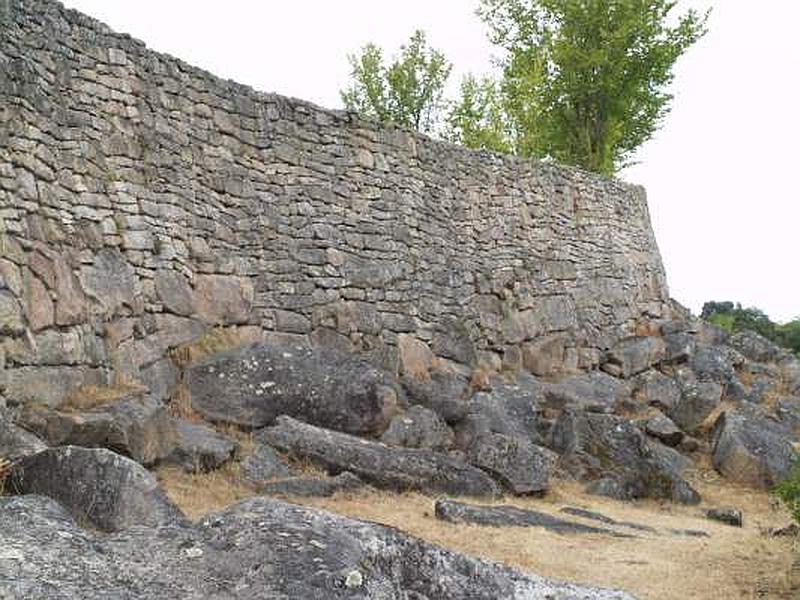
(596, 516)
(16, 443)
(376, 463)
(511, 516)
(259, 548)
(98, 487)
(200, 448)
(250, 387)
(136, 426)
(522, 467)
(264, 465)
(312, 487)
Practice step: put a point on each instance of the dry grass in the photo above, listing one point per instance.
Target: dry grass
(731, 563)
(5, 470)
(215, 340)
(89, 396)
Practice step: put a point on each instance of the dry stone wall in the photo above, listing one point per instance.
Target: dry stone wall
(144, 202)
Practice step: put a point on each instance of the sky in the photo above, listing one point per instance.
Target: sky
(720, 173)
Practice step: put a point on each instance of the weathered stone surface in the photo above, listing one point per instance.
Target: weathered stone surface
(596, 516)
(711, 363)
(244, 212)
(223, 300)
(616, 455)
(260, 547)
(419, 427)
(546, 357)
(657, 389)
(788, 411)
(39, 306)
(252, 386)
(199, 448)
(444, 392)
(174, 292)
(510, 408)
(47, 385)
(750, 448)
(698, 401)
(756, 347)
(135, 426)
(97, 486)
(729, 516)
(416, 359)
(263, 465)
(522, 467)
(595, 392)
(11, 319)
(510, 516)
(664, 428)
(634, 355)
(312, 487)
(16, 443)
(376, 463)
(110, 280)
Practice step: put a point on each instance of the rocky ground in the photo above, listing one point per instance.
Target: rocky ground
(121, 495)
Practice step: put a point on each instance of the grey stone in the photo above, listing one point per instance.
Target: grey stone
(657, 389)
(595, 392)
(199, 448)
(729, 516)
(261, 546)
(309, 487)
(97, 486)
(110, 280)
(134, 425)
(11, 319)
(663, 428)
(522, 467)
(756, 347)
(419, 427)
(633, 355)
(264, 464)
(174, 292)
(511, 408)
(596, 516)
(444, 392)
(252, 386)
(376, 463)
(710, 363)
(751, 448)
(698, 401)
(50, 385)
(614, 452)
(16, 443)
(788, 411)
(511, 516)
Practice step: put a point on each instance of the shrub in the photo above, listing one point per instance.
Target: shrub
(789, 491)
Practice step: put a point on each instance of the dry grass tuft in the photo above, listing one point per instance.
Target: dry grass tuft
(5, 470)
(215, 340)
(90, 396)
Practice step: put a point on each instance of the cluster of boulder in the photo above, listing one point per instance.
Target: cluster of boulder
(629, 429)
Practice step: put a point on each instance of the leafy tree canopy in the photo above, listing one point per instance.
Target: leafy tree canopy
(583, 81)
(732, 317)
(407, 92)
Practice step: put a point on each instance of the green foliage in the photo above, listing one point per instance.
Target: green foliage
(789, 491)
(584, 80)
(408, 92)
(477, 120)
(732, 317)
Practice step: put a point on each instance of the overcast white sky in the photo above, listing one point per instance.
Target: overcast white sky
(721, 173)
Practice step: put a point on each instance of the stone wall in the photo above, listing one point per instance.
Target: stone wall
(144, 202)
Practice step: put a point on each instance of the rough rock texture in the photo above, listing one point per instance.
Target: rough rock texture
(136, 426)
(419, 427)
(615, 454)
(509, 516)
(16, 443)
(595, 392)
(753, 449)
(259, 548)
(144, 201)
(106, 490)
(199, 448)
(312, 486)
(252, 386)
(376, 463)
(263, 465)
(663, 428)
(522, 467)
(633, 355)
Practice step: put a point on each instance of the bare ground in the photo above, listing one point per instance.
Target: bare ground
(731, 563)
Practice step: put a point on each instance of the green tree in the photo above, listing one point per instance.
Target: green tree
(409, 92)
(584, 81)
(477, 120)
